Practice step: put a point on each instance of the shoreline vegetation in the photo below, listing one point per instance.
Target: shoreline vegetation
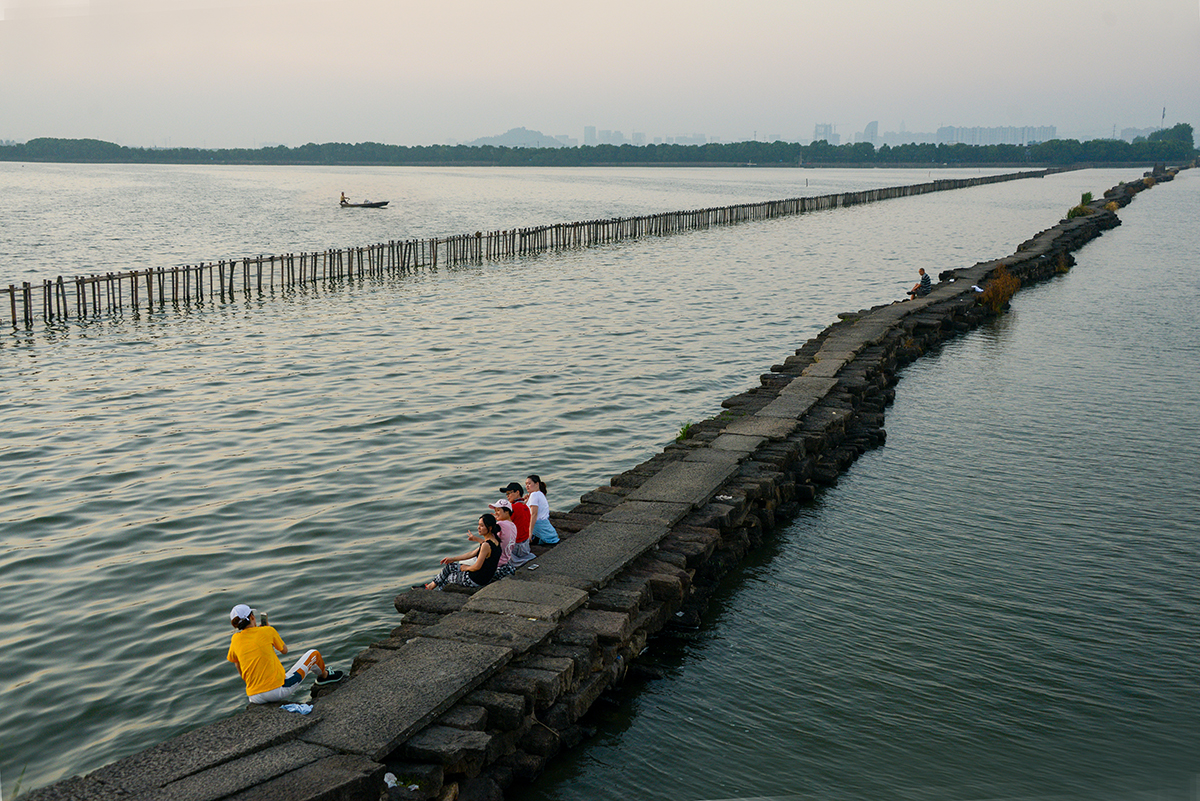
(1174, 145)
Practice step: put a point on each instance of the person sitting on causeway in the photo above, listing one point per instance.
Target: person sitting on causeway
(539, 512)
(513, 554)
(252, 650)
(480, 571)
(922, 287)
(520, 512)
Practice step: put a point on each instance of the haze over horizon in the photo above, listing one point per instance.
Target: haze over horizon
(226, 73)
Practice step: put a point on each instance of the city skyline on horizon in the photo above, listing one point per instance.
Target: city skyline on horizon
(524, 137)
(222, 73)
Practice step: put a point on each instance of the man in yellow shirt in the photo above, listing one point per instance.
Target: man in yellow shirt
(252, 650)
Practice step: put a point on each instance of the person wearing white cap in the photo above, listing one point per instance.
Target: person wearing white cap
(252, 650)
(513, 554)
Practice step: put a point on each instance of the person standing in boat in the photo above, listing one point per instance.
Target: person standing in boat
(539, 512)
(486, 557)
(345, 200)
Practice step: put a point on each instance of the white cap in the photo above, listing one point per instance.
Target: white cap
(501, 504)
(240, 611)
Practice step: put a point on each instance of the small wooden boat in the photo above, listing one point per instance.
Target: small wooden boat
(376, 205)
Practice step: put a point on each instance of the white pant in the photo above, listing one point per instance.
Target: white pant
(291, 681)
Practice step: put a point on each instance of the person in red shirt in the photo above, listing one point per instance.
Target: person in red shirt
(520, 512)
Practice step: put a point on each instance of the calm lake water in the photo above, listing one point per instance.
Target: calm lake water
(1012, 571)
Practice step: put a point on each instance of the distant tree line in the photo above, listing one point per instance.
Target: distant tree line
(1174, 145)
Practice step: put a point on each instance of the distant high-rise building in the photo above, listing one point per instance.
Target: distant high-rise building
(824, 130)
(1004, 135)
(871, 132)
(589, 135)
(639, 138)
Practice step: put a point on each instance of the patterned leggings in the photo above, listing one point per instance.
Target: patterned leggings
(453, 574)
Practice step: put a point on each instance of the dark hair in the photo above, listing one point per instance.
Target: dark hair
(537, 480)
(489, 522)
(240, 623)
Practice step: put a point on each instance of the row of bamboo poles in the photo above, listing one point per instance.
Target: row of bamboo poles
(90, 297)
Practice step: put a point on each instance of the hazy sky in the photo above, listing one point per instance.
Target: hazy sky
(226, 73)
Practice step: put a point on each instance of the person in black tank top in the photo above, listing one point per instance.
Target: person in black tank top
(486, 557)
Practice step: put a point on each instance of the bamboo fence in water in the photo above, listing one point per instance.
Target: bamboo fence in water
(56, 301)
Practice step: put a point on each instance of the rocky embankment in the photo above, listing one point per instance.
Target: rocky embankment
(473, 692)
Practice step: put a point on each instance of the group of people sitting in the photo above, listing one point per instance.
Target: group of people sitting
(503, 538)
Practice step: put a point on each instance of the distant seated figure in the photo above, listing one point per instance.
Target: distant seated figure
(345, 200)
(922, 287)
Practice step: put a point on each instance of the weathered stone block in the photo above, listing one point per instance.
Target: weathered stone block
(540, 601)
(465, 716)
(542, 687)
(603, 496)
(541, 741)
(458, 751)
(572, 707)
(597, 554)
(693, 552)
(652, 620)
(551, 664)
(614, 600)
(399, 696)
(254, 730)
(419, 617)
(671, 558)
(243, 774)
(656, 513)
(525, 766)
(439, 603)
(479, 788)
(773, 428)
(337, 778)
(369, 657)
(505, 710)
(691, 483)
(586, 660)
(506, 631)
(737, 443)
(607, 626)
(77, 788)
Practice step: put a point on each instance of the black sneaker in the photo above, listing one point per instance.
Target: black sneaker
(331, 677)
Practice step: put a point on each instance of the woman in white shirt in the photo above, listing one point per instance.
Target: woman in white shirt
(539, 512)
